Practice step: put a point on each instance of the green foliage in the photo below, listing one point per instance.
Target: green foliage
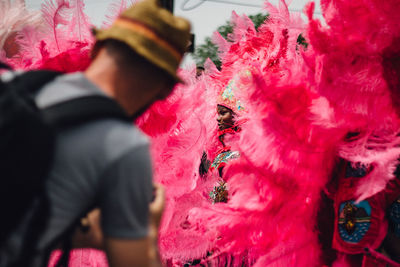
(258, 19)
(206, 50)
(210, 50)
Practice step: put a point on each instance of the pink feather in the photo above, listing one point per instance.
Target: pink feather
(56, 15)
(82, 258)
(79, 25)
(14, 19)
(114, 10)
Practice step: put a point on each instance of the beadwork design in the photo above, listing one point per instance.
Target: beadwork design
(227, 96)
(219, 193)
(223, 158)
(354, 220)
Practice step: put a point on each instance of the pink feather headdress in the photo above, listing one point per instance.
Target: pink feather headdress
(14, 18)
(56, 38)
(228, 96)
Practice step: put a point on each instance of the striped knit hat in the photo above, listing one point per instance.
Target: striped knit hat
(152, 32)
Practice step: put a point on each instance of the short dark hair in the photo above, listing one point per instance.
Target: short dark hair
(127, 57)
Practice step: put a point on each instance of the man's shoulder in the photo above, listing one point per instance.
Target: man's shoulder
(108, 136)
(66, 87)
(115, 133)
(105, 140)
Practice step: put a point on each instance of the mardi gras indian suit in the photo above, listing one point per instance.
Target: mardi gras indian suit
(307, 111)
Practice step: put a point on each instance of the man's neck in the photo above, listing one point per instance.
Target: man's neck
(105, 73)
(102, 77)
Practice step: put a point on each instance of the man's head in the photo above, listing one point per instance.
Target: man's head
(137, 83)
(225, 117)
(142, 49)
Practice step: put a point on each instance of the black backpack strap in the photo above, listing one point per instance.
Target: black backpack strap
(70, 112)
(5, 66)
(19, 115)
(32, 81)
(83, 109)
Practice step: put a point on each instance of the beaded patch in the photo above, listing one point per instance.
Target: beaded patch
(354, 220)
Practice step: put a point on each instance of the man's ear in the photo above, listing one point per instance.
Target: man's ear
(95, 50)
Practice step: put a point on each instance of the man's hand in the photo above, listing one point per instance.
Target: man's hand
(157, 205)
(140, 252)
(156, 209)
(89, 234)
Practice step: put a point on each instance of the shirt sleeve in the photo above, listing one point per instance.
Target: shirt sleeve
(125, 195)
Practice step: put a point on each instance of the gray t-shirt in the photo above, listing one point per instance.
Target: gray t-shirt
(104, 163)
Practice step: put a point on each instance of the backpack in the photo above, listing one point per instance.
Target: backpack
(27, 143)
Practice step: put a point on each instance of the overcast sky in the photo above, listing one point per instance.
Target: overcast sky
(205, 15)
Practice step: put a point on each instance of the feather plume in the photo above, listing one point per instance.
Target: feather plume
(62, 43)
(223, 45)
(81, 258)
(14, 19)
(79, 25)
(56, 15)
(115, 9)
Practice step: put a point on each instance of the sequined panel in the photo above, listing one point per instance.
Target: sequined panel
(354, 220)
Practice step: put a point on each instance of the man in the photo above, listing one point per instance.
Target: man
(106, 163)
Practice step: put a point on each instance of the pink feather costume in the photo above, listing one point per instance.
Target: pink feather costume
(356, 67)
(301, 105)
(276, 182)
(59, 39)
